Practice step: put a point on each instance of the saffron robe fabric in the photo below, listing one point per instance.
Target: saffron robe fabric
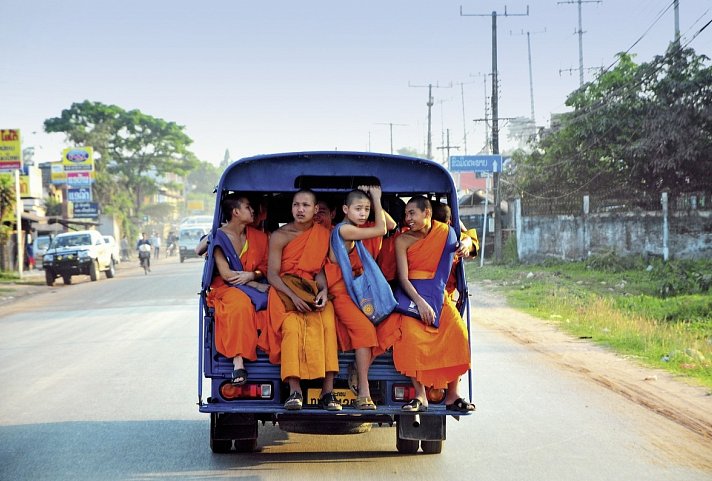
(432, 356)
(236, 321)
(353, 329)
(303, 343)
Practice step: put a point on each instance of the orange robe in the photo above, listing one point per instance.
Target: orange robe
(433, 356)
(452, 280)
(353, 329)
(304, 343)
(236, 321)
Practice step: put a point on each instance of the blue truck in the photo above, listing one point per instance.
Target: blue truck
(236, 412)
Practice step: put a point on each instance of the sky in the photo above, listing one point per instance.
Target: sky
(280, 76)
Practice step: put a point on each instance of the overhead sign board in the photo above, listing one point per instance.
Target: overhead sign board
(86, 210)
(476, 163)
(82, 194)
(78, 158)
(10, 150)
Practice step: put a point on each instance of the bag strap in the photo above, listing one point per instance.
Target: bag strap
(342, 257)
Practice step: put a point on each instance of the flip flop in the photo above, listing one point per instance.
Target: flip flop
(461, 406)
(414, 406)
(364, 403)
(239, 377)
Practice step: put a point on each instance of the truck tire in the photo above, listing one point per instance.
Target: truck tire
(182, 259)
(406, 446)
(111, 271)
(431, 447)
(49, 277)
(94, 271)
(245, 445)
(218, 445)
(67, 279)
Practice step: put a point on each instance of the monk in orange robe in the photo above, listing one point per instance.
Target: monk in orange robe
(237, 323)
(430, 356)
(354, 330)
(302, 331)
(469, 245)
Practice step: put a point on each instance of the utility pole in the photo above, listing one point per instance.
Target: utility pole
(447, 147)
(391, 124)
(430, 104)
(580, 33)
(676, 6)
(531, 79)
(495, 126)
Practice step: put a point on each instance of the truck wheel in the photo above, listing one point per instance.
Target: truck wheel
(94, 270)
(431, 447)
(406, 446)
(67, 279)
(111, 271)
(182, 259)
(49, 277)
(218, 445)
(245, 445)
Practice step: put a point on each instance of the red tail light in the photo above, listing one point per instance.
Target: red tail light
(231, 392)
(403, 392)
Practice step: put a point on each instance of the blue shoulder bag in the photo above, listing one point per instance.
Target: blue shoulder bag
(369, 291)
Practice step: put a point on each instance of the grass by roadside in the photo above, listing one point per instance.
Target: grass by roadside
(658, 313)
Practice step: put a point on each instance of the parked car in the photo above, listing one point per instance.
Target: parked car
(76, 253)
(114, 248)
(39, 247)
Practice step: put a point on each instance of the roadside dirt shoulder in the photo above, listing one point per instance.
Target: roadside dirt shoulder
(687, 405)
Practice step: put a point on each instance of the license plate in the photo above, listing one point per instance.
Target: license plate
(345, 396)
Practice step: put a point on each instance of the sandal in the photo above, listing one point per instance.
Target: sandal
(239, 377)
(414, 406)
(294, 401)
(461, 406)
(364, 403)
(353, 378)
(328, 401)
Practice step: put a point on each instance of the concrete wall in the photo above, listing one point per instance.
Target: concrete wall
(670, 234)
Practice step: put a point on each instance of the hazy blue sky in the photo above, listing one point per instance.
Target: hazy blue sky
(263, 77)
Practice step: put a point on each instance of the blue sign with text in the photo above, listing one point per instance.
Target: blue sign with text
(476, 163)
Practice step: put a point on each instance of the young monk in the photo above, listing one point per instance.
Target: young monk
(429, 355)
(354, 330)
(468, 237)
(324, 214)
(302, 331)
(240, 254)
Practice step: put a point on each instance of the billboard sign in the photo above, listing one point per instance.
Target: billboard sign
(10, 150)
(86, 210)
(79, 178)
(81, 194)
(78, 159)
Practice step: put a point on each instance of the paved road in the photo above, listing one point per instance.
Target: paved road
(98, 381)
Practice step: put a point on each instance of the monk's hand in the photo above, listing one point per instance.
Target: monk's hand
(231, 278)
(301, 305)
(375, 192)
(243, 277)
(321, 298)
(427, 315)
(465, 247)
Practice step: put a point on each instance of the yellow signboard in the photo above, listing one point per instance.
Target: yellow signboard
(10, 149)
(78, 158)
(196, 205)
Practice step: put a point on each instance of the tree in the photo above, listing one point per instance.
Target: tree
(134, 151)
(640, 128)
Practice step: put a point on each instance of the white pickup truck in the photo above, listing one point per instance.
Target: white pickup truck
(78, 253)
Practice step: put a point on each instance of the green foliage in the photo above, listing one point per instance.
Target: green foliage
(642, 128)
(134, 152)
(619, 307)
(509, 252)
(204, 178)
(682, 277)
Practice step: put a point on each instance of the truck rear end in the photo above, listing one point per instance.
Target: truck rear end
(237, 411)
